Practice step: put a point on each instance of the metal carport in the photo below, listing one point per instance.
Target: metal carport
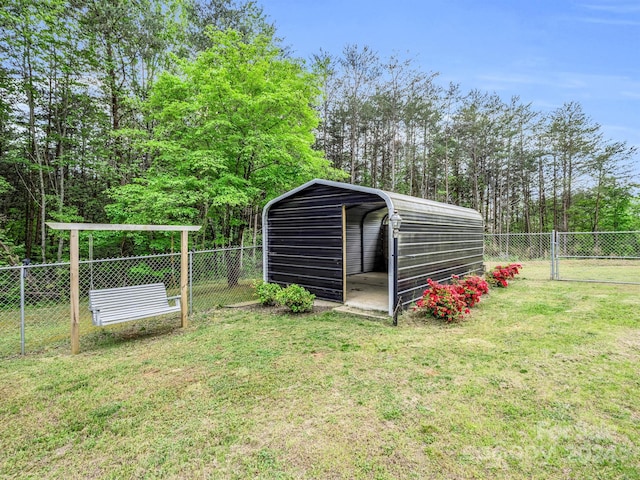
(321, 233)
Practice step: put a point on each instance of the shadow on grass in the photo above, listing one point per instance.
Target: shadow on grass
(131, 332)
(416, 318)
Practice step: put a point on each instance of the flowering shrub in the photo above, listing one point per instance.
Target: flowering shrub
(443, 301)
(471, 288)
(499, 275)
(452, 302)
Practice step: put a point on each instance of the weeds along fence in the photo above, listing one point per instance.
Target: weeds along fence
(34, 299)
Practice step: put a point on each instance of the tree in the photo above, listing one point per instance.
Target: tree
(246, 17)
(574, 138)
(612, 192)
(361, 68)
(233, 128)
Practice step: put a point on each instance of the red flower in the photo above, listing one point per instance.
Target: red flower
(500, 274)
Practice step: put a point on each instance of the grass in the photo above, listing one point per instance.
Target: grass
(540, 382)
(609, 270)
(47, 325)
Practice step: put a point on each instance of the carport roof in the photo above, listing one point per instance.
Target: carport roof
(394, 201)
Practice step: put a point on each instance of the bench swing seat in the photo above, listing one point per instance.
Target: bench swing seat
(123, 304)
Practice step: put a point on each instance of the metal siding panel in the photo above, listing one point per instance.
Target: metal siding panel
(304, 245)
(305, 238)
(317, 261)
(354, 245)
(372, 242)
(437, 246)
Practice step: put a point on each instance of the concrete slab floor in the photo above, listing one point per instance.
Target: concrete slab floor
(368, 291)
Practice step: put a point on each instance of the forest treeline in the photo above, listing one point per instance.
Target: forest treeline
(392, 126)
(194, 112)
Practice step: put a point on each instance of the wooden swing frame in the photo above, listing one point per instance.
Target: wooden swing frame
(75, 228)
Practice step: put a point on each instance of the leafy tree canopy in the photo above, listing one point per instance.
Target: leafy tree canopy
(232, 129)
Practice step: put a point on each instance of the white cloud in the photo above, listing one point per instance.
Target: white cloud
(610, 21)
(613, 7)
(588, 85)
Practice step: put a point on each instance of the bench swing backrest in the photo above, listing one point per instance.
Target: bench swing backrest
(122, 304)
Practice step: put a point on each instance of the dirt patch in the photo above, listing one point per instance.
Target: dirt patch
(629, 344)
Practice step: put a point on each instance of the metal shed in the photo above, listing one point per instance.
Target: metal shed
(323, 235)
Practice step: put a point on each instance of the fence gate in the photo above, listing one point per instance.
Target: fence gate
(610, 257)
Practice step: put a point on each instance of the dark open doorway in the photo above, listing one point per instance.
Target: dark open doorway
(367, 282)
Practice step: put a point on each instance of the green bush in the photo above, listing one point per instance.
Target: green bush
(297, 298)
(267, 293)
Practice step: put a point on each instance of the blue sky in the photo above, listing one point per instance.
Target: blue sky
(547, 52)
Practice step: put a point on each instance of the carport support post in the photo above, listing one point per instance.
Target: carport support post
(75, 291)
(395, 221)
(395, 279)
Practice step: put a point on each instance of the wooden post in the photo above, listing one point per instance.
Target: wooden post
(184, 275)
(75, 292)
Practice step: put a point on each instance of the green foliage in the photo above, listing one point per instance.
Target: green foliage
(297, 298)
(144, 273)
(10, 254)
(160, 199)
(5, 186)
(248, 18)
(267, 292)
(233, 128)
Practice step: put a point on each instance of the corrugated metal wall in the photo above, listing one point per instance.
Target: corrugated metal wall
(305, 244)
(305, 238)
(373, 242)
(354, 241)
(436, 246)
(364, 242)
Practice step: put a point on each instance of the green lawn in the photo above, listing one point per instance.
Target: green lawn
(47, 325)
(540, 382)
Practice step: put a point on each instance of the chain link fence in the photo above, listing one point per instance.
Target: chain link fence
(606, 257)
(577, 256)
(517, 247)
(531, 249)
(34, 299)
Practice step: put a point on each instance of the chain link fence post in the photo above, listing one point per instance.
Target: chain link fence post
(23, 274)
(552, 242)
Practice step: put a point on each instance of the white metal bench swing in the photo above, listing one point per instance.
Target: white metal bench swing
(121, 304)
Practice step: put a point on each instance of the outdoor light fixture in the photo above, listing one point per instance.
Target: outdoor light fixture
(396, 221)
